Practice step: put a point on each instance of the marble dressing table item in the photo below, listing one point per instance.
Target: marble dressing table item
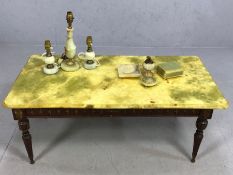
(101, 93)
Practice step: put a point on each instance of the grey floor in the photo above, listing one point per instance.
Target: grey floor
(124, 145)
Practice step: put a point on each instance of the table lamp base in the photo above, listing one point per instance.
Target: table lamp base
(70, 65)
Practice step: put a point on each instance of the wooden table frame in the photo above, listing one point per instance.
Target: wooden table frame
(22, 116)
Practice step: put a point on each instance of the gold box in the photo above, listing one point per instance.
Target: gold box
(169, 70)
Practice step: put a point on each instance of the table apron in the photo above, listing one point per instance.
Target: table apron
(80, 112)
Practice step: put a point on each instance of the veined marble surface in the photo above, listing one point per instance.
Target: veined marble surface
(101, 87)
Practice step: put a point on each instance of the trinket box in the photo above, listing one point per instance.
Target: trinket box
(169, 70)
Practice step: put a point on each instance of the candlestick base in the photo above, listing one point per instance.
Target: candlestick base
(50, 71)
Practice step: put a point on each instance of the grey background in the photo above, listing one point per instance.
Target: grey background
(130, 23)
(119, 146)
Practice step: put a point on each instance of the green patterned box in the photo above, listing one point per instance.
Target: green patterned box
(169, 70)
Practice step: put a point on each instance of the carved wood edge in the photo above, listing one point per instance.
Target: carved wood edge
(206, 113)
(76, 112)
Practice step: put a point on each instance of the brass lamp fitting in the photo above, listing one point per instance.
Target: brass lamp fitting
(89, 44)
(47, 46)
(69, 19)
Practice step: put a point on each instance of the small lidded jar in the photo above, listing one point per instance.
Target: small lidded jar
(149, 64)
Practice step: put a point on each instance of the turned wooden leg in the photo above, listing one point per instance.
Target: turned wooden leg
(201, 125)
(26, 136)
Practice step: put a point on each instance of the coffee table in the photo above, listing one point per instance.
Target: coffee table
(99, 92)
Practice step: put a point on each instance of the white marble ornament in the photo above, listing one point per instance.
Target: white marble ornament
(51, 71)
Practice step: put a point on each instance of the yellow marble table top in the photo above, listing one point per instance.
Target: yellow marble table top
(101, 87)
